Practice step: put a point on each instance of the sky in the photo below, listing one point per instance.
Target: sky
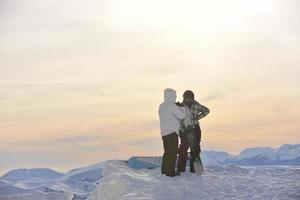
(81, 82)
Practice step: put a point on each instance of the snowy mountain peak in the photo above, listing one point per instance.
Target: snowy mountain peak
(39, 173)
(251, 152)
(288, 151)
(288, 147)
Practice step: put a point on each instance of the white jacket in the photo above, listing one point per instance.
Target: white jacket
(170, 114)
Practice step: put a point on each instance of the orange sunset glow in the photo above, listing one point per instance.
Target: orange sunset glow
(82, 82)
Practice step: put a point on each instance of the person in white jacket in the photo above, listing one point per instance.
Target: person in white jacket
(170, 115)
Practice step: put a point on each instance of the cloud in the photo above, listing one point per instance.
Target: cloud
(228, 91)
(147, 143)
(80, 81)
(81, 139)
(212, 96)
(54, 143)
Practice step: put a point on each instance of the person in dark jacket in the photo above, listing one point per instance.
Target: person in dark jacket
(196, 112)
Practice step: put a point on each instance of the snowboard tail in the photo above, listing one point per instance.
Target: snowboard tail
(198, 166)
(195, 154)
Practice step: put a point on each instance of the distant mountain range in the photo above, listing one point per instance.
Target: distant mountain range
(285, 155)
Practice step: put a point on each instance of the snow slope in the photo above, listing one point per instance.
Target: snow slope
(39, 184)
(218, 182)
(37, 195)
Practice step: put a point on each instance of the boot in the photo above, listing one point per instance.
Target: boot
(192, 170)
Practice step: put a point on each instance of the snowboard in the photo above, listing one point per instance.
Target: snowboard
(195, 156)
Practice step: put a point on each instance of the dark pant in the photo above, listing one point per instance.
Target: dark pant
(183, 148)
(170, 154)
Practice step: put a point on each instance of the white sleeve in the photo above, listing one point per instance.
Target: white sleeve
(178, 112)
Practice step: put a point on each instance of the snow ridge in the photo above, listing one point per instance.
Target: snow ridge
(218, 182)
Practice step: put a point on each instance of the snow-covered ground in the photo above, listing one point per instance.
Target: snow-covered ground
(120, 182)
(224, 178)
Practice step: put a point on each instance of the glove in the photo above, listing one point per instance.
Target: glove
(179, 104)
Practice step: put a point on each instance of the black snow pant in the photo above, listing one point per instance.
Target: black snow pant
(170, 154)
(183, 149)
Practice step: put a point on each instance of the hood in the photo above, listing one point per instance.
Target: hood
(170, 95)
